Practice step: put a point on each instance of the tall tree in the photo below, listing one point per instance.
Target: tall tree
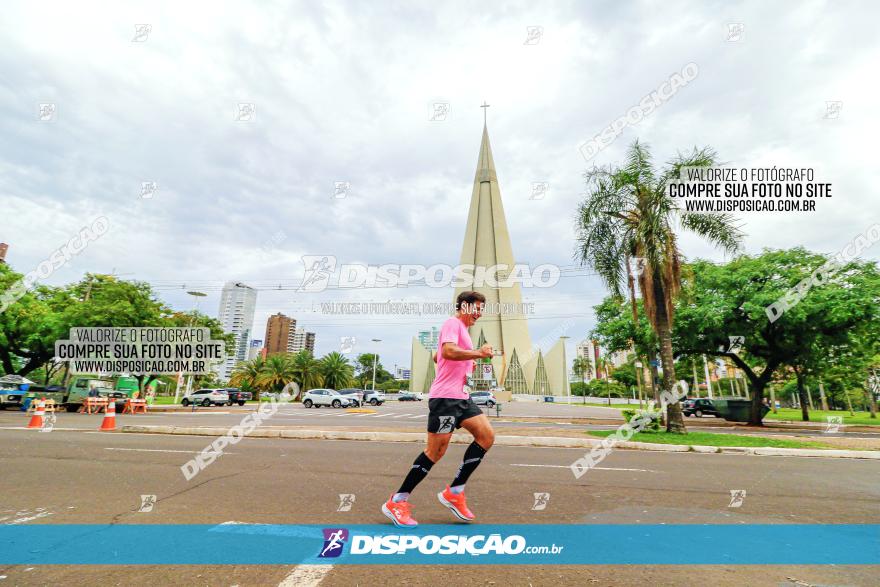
(838, 317)
(627, 214)
(248, 374)
(336, 371)
(278, 371)
(307, 371)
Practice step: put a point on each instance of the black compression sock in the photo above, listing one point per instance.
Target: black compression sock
(472, 458)
(419, 471)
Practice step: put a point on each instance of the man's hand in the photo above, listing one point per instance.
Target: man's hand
(486, 351)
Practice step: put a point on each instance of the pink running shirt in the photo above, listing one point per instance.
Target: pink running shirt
(452, 375)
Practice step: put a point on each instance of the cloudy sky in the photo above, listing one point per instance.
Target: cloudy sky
(343, 92)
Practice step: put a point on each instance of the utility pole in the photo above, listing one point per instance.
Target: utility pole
(196, 295)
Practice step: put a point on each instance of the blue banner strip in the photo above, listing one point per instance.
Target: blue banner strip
(626, 544)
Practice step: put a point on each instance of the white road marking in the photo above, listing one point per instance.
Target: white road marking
(27, 518)
(301, 575)
(196, 413)
(568, 467)
(418, 416)
(53, 429)
(402, 415)
(380, 415)
(306, 576)
(192, 452)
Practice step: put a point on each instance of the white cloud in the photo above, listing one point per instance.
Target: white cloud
(341, 92)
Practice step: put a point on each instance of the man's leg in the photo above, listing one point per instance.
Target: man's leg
(437, 445)
(453, 497)
(484, 438)
(397, 508)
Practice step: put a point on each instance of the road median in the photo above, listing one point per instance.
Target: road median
(500, 440)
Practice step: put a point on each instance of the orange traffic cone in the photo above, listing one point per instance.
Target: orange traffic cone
(109, 422)
(39, 412)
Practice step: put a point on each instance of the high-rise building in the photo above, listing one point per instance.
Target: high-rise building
(619, 358)
(255, 349)
(280, 331)
(236, 315)
(303, 340)
(589, 350)
(430, 338)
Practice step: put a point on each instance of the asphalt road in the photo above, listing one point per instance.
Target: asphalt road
(90, 477)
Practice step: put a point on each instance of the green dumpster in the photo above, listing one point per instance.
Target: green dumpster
(736, 409)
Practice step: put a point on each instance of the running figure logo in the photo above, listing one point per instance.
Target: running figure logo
(346, 500)
(447, 424)
(334, 540)
(318, 269)
(541, 500)
(737, 496)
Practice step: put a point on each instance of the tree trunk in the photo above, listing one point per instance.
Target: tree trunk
(849, 402)
(872, 399)
(802, 396)
(674, 417)
(822, 398)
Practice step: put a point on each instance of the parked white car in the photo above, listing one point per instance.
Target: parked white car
(326, 397)
(206, 397)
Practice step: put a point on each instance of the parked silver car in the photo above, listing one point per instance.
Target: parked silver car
(326, 397)
(484, 398)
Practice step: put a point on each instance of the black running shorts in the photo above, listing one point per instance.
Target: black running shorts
(446, 414)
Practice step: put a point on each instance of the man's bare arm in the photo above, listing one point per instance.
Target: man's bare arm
(453, 352)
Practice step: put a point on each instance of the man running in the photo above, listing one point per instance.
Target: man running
(449, 407)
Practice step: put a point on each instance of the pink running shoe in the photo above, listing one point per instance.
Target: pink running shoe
(456, 503)
(399, 513)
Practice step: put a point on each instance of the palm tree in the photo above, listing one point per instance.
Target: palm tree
(580, 366)
(627, 214)
(336, 370)
(277, 372)
(307, 371)
(247, 373)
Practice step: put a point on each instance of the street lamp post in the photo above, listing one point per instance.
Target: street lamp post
(196, 295)
(375, 357)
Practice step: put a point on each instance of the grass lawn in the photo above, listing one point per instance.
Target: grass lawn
(794, 415)
(785, 414)
(712, 439)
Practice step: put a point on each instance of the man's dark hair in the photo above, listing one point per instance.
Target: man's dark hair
(470, 298)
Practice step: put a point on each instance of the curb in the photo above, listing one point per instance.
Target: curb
(532, 441)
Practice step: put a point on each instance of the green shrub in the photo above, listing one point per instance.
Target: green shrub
(654, 415)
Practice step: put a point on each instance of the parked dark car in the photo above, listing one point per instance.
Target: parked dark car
(354, 395)
(409, 396)
(699, 408)
(237, 396)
